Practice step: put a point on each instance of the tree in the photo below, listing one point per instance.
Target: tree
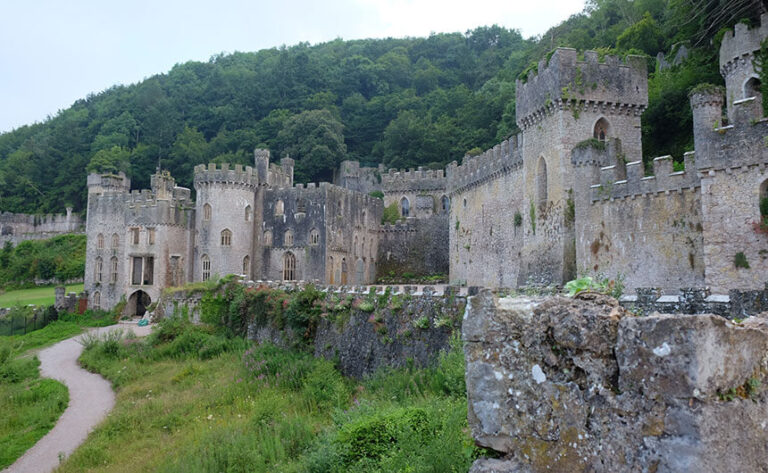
(315, 139)
(113, 160)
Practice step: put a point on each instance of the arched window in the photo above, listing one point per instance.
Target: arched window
(405, 207)
(314, 237)
(113, 270)
(331, 279)
(100, 241)
(354, 248)
(247, 265)
(98, 270)
(115, 241)
(226, 237)
(205, 264)
(362, 249)
(96, 300)
(247, 213)
(289, 267)
(601, 130)
(343, 271)
(279, 208)
(267, 238)
(541, 182)
(207, 212)
(445, 203)
(364, 215)
(288, 239)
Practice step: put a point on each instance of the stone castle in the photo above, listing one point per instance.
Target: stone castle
(567, 195)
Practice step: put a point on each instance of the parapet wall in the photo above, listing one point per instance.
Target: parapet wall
(621, 182)
(413, 180)
(739, 45)
(20, 227)
(223, 174)
(563, 79)
(503, 158)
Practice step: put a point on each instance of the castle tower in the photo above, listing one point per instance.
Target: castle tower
(737, 51)
(224, 219)
(568, 103)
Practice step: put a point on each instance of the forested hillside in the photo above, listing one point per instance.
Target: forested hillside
(401, 102)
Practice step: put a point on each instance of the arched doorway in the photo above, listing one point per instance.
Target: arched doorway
(601, 130)
(138, 303)
(344, 271)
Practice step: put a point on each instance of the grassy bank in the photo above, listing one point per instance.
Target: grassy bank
(37, 295)
(191, 400)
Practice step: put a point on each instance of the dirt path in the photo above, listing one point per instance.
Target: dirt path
(90, 399)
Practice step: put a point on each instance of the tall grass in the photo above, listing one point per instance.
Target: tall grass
(243, 408)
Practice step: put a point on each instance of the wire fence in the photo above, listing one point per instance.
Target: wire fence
(19, 322)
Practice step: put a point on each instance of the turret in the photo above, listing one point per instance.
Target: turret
(737, 52)
(261, 162)
(162, 185)
(707, 106)
(99, 184)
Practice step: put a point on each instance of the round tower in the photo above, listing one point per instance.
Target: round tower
(224, 220)
(707, 107)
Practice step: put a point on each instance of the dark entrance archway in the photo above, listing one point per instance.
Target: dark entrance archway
(138, 303)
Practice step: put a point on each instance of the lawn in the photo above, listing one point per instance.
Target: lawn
(37, 295)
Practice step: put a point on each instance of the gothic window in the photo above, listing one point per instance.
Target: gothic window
(151, 236)
(405, 207)
(314, 237)
(331, 278)
(115, 241)
(247, 265)
(354, 248)
(364, 218)
(601, 130)
(205, 263)
(288, 240)
(267, 238)
(135, 235)
(339, 209)
(100, 241)
(136, 270)
(343, 271)
(541, 182)
(113, 270)
(226, 237)
(247, 213)
(97, 300)
(289, 267)
(149, 271)
(445, 202)
(207, 212)
(279, 208)
(98, 270)
(362, 249)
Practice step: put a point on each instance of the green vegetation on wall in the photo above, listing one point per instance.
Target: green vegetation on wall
(60, 258)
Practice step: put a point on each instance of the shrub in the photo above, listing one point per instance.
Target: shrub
(740, 260)
(391, 214)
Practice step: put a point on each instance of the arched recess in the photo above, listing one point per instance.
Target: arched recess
(541, 182)
(359, 272)
(247, 266)
(343, 271)
(207, 211)
(248, 213)
(100, 241)
(279, 208)
(601, 130)
(138, 303)
(752, 87)
(289, 266)
(115, 241)
(405, 207)
(354, 246)
(331, 278)
(96, 301)
(445, 204)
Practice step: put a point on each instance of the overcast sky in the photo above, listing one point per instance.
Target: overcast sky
(53, 52)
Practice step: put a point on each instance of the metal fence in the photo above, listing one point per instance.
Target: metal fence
(21, 321)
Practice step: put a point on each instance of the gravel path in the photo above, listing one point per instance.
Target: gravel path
(90, 399)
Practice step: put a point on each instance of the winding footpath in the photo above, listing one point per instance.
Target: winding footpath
(90, 400)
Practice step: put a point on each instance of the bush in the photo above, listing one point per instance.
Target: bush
(391, 214)
(61, 258)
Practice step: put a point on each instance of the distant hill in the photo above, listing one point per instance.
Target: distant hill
(401, 102)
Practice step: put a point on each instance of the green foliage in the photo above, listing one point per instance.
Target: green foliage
(391, 214)
(604, 285)
(645, 35)
(591, 143)
(60, 258)
(740, 260)
(760, 62)
(377, 194)
(532, 215)
(518, 219)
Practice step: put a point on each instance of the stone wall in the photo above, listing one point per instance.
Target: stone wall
(20, 227)
(418, 246)
(569, 385)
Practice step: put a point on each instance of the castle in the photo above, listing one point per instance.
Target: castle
(567, 195)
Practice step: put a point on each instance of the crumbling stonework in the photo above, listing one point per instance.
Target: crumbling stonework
(570, 385)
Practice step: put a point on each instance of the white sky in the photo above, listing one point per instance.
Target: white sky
(53, 52)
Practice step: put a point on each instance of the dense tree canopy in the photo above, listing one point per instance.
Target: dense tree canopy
(402, 102)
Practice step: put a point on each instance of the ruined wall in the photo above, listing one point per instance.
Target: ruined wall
(425, 191)
(20, 227)
(350, 175)
(574, 386)
(736, 54)
(418, 246)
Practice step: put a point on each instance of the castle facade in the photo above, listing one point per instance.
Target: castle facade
(568, 195)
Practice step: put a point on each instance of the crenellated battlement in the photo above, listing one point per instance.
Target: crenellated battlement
(224, 174)
(505, 157)
(738, 46)
(564, 81)
(628, 181)
(402, 226)
(413, 180)
(108, 183)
